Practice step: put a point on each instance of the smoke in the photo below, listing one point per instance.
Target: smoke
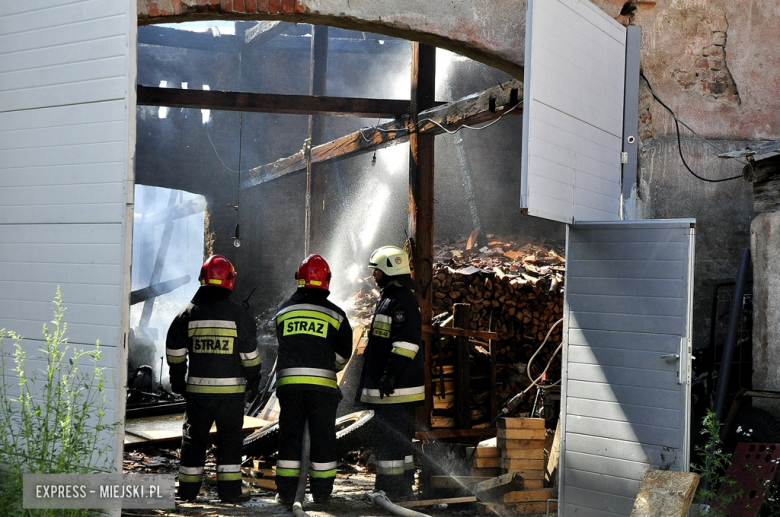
(160, 256)
(370, 219)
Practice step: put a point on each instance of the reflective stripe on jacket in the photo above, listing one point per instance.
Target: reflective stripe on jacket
(394, 347)
(315, 341)
(213, 340)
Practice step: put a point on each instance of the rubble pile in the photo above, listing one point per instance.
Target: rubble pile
(151, 461)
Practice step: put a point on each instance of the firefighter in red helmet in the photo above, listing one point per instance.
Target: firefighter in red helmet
(219, 338)
(315, 342)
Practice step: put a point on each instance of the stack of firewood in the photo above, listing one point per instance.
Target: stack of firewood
(517, 292)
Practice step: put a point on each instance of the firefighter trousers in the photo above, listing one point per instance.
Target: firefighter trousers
(391, 437)
(296, 406)
(200, 413)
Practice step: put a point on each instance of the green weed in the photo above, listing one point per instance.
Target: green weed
(53, 422)
(712, 469)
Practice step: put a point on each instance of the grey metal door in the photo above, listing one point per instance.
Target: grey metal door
(626, 363)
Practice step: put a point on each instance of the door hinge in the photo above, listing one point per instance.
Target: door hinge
(623, 157)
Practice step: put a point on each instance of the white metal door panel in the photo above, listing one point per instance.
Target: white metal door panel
(59, 52)
(626, 361)
(573, 112)
(67, 141)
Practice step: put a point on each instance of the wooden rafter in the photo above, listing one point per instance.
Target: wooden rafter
(271, 103)
(473, 109)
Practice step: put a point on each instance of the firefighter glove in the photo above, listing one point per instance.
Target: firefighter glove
(386, 385)
(179, 387)
(253, 388)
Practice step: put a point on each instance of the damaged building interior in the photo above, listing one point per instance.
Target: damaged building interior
(585, 189)
(264, 175)
(267, 141)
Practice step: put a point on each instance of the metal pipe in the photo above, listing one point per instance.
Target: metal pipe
(380, 499)
(301, 490)
(731, 336)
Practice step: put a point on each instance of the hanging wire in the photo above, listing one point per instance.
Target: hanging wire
(240, 148)
(236, 236)
(677, 123)
(216, 153)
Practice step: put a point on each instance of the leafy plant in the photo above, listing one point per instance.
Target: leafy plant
(712, 470)
(53, 420)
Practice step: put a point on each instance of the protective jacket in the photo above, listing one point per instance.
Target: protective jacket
(219, 337)
(394, 347)
(315, 342)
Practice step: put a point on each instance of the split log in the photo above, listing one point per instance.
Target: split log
(665, 493)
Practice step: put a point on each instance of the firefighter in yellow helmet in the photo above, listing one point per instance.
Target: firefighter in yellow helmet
(393, 377)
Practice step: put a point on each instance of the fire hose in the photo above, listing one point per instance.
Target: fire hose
(381, 500)
(301, 490)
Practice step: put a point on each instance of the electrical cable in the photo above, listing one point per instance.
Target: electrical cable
(435, 123)
(216, 153)
(682, 123)
(236, 237)
(677, 123)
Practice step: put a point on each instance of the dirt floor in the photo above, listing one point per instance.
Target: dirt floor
(349, 492)
(348, 500)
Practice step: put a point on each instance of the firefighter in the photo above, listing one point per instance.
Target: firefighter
(315, 342)
(393, 380)
(219, 338)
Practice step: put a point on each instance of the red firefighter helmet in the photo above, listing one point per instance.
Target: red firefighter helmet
(218, 271)
(314, 271)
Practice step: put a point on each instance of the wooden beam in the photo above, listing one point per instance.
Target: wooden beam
(263, 31)
(352, 144)
(441, 434)
(504, 482)
(462, 312)
(271, 103)
(167, 37)
(430, 329)
(431, 502)
(420, 207)
(474, 109)
(765, 175)
(315, 172)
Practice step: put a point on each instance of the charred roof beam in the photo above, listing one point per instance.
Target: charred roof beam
(479, 107)
(272, 103)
